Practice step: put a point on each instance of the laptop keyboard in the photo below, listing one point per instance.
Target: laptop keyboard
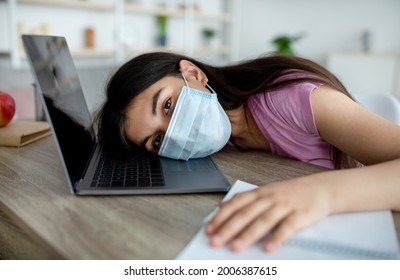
(136, 171)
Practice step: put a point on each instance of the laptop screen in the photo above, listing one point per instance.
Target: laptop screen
(58, 80)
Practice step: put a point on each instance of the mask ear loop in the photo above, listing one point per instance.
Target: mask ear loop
(183, 75)
(210, 88)
(207, 85)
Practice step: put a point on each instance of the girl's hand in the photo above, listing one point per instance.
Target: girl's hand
(281, 207)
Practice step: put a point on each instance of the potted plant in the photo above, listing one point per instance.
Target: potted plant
(162, 29)
(284, 43)
(208, 34)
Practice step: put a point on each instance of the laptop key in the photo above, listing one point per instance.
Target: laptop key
(144, 182)
(157, 184)
(135, 171)
(117, 184)
(131, 183)
(104, 180)
(157, 180)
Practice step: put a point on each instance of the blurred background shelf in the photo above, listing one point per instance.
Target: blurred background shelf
(121, 29)
(93, 53)
(219, 50)
(5, 53)
(179, 12)
(71, 4)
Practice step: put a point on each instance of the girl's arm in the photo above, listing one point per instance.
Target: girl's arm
(369, 139)
(288, 206)
(363, 135)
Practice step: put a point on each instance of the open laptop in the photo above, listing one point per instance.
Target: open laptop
(89, 170)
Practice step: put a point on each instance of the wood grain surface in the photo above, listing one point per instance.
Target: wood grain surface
(41, 219)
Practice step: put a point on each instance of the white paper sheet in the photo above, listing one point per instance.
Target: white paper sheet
(364, 235)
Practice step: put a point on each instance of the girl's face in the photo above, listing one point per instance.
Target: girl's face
(149, 114)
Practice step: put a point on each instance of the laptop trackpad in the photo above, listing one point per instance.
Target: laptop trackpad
(201, 164)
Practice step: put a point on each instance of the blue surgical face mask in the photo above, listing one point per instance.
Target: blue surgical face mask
(199, 126)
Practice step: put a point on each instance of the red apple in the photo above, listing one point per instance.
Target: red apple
(7, 108)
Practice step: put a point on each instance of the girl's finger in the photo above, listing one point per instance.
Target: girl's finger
(236, 223)
(260, 227)
(284, 231)
(228, 208)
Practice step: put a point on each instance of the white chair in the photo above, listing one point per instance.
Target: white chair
(386, 106)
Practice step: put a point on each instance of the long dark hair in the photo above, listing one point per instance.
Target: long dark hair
(233, 83)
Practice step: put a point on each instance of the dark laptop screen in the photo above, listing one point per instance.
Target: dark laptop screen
(58, 80)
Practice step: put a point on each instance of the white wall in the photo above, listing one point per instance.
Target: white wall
(330, 25)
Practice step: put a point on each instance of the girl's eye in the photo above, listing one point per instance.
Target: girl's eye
(167, 106)
(157, 142)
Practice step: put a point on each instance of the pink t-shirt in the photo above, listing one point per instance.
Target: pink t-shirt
(285, 118)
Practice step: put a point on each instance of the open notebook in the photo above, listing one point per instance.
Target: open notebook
(366, 235)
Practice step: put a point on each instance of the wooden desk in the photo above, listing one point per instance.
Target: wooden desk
(40, 219)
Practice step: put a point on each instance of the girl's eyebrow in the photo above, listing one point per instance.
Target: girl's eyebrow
(155, 101)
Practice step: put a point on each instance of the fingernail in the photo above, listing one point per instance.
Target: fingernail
(216, 241)
(270, 246)
(237, 245)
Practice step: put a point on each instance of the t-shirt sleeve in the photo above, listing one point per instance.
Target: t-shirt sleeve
(307, 113)
(293, 106)
(285, 117)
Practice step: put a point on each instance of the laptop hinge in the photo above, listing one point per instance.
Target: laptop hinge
(82, 176)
